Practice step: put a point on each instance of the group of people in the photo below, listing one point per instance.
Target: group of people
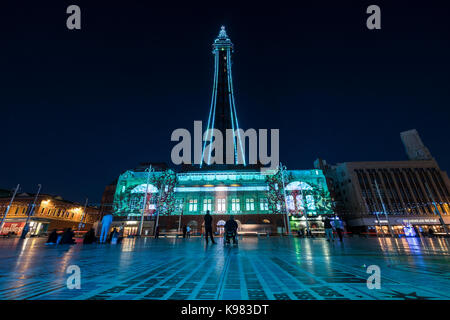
(68, 237)
(331, 226)
(230, 227)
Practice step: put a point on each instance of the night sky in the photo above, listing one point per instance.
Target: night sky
(80, 107)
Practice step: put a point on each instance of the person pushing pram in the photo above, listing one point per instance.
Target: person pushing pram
(231, 227)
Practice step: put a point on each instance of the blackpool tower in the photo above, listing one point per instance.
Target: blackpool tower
(222, 113)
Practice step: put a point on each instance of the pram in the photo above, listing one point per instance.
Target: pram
(228, 235)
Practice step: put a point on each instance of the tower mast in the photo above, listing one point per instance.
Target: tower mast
(222, 113)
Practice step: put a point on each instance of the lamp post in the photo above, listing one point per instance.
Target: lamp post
(181, 214)
(288, 228)
(30, 213)
(9, 207)
(83, 215)
(158, 209)
(141, 224)
(305, 211)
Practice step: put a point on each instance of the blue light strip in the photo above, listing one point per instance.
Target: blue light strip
(216, 77)
(230, 93)
(221, 189)
(234, 110)
(212, 109)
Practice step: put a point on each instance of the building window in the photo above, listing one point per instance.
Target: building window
(250, 204)
(221, 205)
(264, 204)
(299, 200)
(207, 204)
(235, 205)
(179, 204)
(290, 203)
(192, 205)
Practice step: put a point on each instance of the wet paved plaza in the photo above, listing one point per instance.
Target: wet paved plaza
(266, 268)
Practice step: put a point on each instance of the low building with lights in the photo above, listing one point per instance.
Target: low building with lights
(50, 212)
(249, 195)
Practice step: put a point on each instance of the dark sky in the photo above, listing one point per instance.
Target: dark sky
(80, 107)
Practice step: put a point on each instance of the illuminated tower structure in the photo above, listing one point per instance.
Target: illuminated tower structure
(240, 189)
(222, 113)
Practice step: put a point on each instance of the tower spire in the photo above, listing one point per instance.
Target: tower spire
(222, 33)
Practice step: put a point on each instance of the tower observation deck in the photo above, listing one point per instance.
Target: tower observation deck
(222, 113)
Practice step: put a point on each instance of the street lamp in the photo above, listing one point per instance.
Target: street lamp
(141, 224)
(83, 215)
(282, 169)
(181, 214)
(30, 213)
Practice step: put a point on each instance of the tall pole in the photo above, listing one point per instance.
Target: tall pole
(436, 209)
(384, 208)
(305, 209)
(84, 214)
(179, 221)
(30, 213)
(9, 207)
(141, 223)
(288, 228)
(158, 209)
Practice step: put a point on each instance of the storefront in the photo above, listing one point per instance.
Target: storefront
(404, 226)
(15, 227)
(131, 227)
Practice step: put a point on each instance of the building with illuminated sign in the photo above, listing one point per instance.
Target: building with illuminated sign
(376, 195)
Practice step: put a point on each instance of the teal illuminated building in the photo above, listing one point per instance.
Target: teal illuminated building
(261, 201)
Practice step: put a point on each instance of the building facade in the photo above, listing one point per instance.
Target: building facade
(245, 194)
(410, 197)
(50, 212)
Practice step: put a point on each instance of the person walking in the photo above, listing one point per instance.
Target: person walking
(184, 231)
(328, 229)
(188, 231)
(106, 223)
(208, 227)
(339, 227)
